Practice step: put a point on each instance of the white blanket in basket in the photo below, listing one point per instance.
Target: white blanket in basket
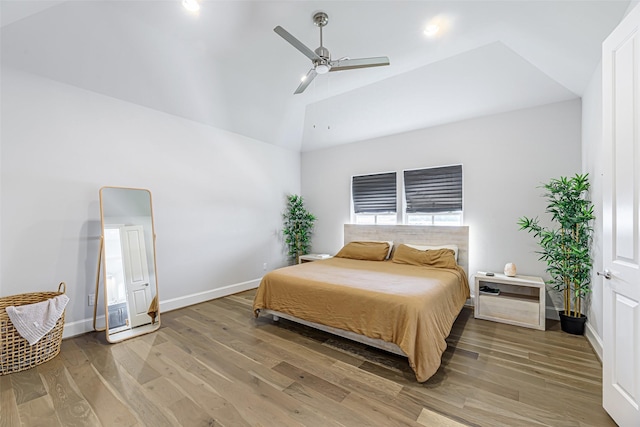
(33, 321)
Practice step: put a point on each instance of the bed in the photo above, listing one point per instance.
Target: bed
(407, 308)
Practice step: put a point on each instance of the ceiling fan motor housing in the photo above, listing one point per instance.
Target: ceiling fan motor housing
(323, 53)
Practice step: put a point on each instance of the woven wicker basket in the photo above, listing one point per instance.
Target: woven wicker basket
(15, 352)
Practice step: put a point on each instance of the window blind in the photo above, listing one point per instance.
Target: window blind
(374, 193)
(433, 190)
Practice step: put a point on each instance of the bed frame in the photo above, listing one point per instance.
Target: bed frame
(412, 234)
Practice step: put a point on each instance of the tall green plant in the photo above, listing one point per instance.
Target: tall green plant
(298, 225)
(567, 248)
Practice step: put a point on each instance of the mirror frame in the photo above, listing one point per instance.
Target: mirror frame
(140, 330)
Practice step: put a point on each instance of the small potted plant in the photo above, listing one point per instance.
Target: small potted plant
(567, 248)
(298, 224)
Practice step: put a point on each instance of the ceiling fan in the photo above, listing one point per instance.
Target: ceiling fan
(321, 58)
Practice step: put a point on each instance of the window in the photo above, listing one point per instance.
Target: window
(374, 198)
(433, 196)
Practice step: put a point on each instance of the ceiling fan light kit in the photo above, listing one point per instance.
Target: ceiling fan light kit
(323, 68)
(321, 58)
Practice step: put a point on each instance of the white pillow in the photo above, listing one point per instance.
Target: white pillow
(454, 248)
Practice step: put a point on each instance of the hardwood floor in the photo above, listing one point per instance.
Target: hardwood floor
(213, 364)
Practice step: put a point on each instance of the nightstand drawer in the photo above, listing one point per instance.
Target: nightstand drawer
(509, 309)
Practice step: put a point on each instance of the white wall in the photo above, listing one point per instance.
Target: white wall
(218, 196)
(592, 156)
(505, 158)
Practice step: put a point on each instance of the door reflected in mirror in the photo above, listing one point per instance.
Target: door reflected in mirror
(129, 272)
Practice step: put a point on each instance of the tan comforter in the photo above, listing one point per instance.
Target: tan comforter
(411, 306)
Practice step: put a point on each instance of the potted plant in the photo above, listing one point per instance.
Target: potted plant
(298, 224)
(567, 248)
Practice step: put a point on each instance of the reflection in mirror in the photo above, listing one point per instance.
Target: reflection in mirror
(128, 253)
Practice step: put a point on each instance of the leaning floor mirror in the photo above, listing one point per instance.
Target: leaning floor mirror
(127, 263)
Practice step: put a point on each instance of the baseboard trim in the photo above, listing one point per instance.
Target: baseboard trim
(185, 301)
(71, 329)
(595, 340)
(80, 327)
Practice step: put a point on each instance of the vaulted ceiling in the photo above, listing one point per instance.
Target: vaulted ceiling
(226, 67)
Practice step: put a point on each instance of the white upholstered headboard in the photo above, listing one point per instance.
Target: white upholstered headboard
(415, 234)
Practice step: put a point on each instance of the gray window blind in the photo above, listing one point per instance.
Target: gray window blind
(374, 194)
(433, 190)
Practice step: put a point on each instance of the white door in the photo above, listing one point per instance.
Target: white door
(621, 234)
(136, 274)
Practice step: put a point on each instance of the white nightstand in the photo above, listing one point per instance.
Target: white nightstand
(312, 257)
(521, 301)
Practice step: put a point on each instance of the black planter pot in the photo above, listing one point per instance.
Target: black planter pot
(572, 325)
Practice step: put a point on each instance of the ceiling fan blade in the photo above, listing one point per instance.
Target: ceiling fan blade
(350, 64)
(306, 81)
(296, 43)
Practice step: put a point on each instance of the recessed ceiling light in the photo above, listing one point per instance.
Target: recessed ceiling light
(431, 30)
(191, 5)
(438, 26)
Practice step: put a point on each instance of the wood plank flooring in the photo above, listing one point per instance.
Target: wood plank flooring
(213, 364)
